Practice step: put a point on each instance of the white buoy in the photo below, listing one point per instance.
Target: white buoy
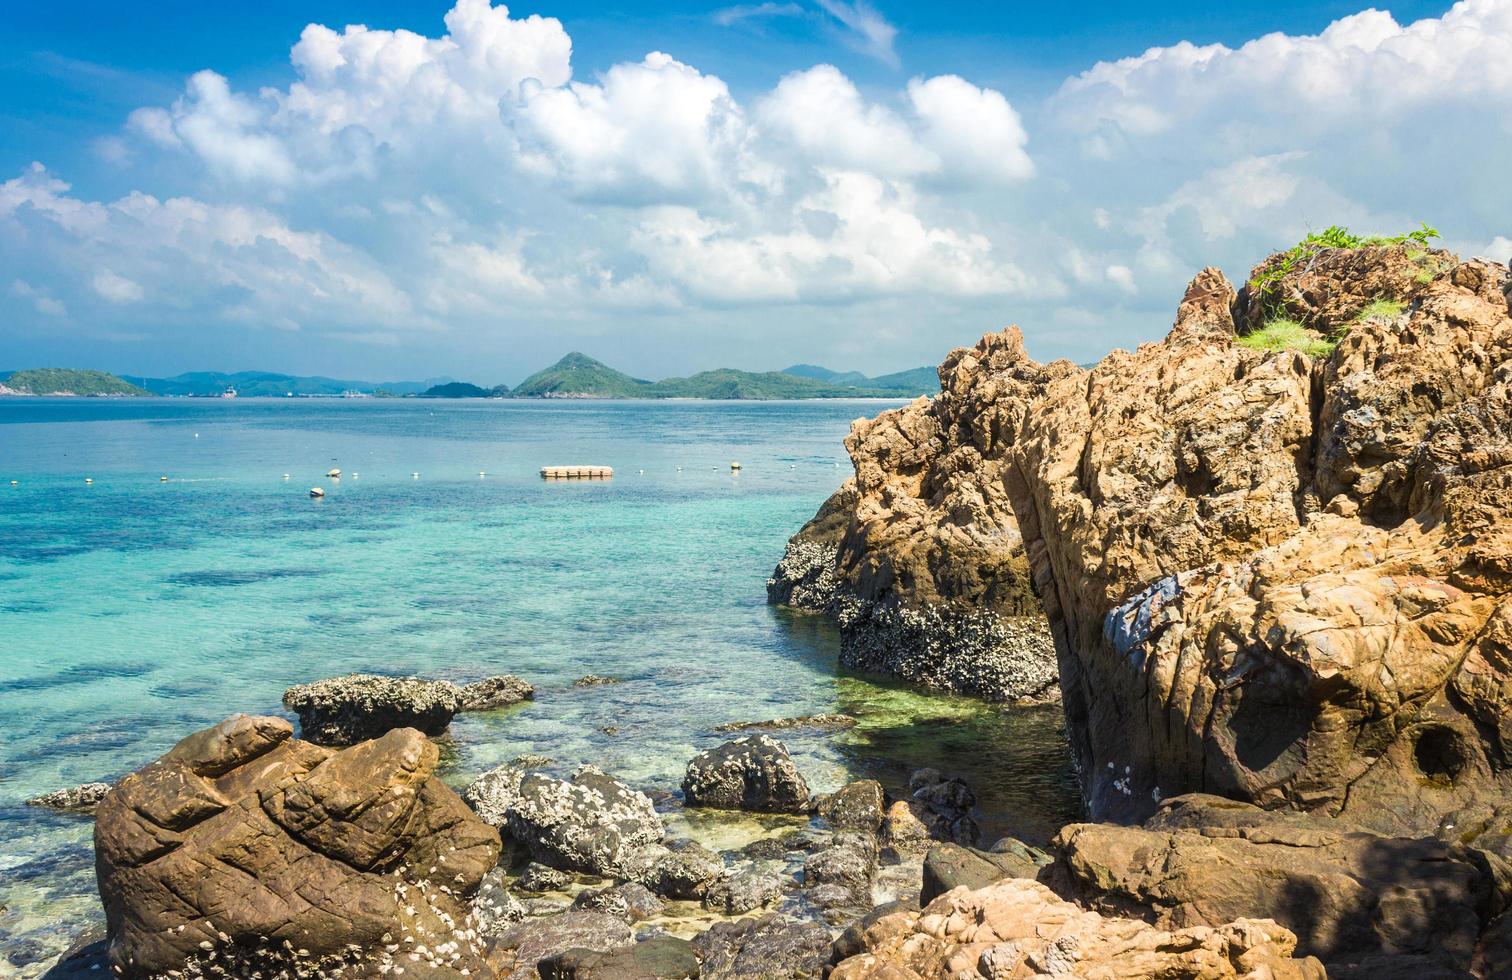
(734, 466)
(333, 474)
(481, 474)
(355, 475)
(196, 435)
(317, 492)
(162, 479)
(414, 476)
(642, 472)
(15, 483)
(88, 480)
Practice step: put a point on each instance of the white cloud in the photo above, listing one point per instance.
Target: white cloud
(116, 288)
(468, 184)
(868, 31)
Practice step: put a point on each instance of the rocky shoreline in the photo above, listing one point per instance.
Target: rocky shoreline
(1274, 592)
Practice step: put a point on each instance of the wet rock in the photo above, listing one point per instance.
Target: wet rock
(751, 773)
(855, 806)
(1020, 929)
(630, 901)
(659, 958)
(849, 863)
(947, 804)
(494, 907)
(1348, 894)
(685, 871)
(496, 692)
(776, 848)
(742, 893)
(591, 823)
(902, 830)
(806, 578)
(823, 723)
(769, 947)
(351, 709)
(595, 680)
(521, 947)
(492, 794)
(77, 799)
(241, 832)
(948, 866)
(538, 877)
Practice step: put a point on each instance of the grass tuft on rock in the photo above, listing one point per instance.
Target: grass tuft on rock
(1381, 309)
(1283, 333)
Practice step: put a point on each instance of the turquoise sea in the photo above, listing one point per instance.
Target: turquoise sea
(134, 611)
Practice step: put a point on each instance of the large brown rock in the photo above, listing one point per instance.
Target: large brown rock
(1353, 898)
(242, 844)
(928, 579)
(1019, 929)
(1280, 578)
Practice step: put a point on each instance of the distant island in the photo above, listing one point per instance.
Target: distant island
(61, 381)
(574, 376)
(580, 376)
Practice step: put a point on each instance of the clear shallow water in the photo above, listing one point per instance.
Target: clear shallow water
(133, 611)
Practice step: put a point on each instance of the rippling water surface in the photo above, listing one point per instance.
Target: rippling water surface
(133, 611)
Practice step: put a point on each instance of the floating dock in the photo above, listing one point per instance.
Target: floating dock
(576, 472)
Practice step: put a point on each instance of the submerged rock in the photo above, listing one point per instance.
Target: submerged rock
(592, 823)
(77, 799)
(1020, 929)
(241, 833)
(751, 773)
(357, 707)
(823, 723)
(496, 692)
(595, 680)
(769, 947)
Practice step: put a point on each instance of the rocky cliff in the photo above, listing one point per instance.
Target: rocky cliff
(1278, 576)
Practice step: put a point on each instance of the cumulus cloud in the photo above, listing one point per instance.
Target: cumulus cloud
(472, 184)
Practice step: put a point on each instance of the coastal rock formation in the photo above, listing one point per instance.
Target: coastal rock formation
(806, 577)
(351, 709)
(1278, 577)
(592, 823)
(768, 947)
(1019, 929)
(75, 799)
(658, 958)
(751, 773)
(242, 844)
(496, 692)
(855, 806)
(516, 952)
(1354, 899)
(949, 866)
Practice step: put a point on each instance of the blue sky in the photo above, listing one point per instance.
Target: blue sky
(687, 185)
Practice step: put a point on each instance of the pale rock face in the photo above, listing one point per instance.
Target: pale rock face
(1018, 928)
(1282, 578)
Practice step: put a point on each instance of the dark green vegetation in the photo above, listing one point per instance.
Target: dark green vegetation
(461, 389)
(266, 384)
(64, 381)
(580, 376)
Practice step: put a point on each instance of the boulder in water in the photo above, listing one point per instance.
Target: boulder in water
(592, 823)
(751, 773)
(351, 709)
(496, 692)
(241, 836)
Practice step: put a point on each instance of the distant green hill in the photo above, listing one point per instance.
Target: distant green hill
(461, 389)
(915, 381)
(580, 376)
(825, 374)
(268, 384)
(65, 381)
(727, 384)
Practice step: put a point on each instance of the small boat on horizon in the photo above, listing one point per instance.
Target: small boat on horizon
(230, 392)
